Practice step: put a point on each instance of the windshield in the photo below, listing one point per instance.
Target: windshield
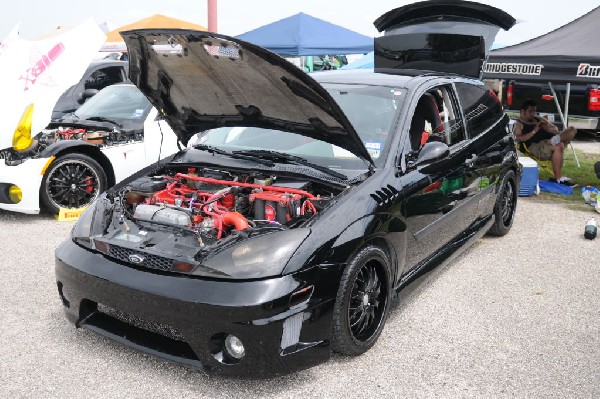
(370, 109)
(116, 102)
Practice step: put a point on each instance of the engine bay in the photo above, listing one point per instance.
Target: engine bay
(96, 136)
(202, 208)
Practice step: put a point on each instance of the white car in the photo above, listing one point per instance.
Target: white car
(67, 165)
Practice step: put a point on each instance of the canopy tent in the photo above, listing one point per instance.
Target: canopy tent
(302, 34)
(569, 54)
(114, 41)
(365, 62)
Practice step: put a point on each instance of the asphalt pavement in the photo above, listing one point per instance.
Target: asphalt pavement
(512, 317)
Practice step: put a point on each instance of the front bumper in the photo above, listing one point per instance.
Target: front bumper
(28, 177)
(184, 319)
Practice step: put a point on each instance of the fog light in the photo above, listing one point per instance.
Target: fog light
(234, 347)
(15, 194)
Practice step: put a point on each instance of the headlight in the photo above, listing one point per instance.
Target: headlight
(22, 137)
(258, 257)
(89, 223)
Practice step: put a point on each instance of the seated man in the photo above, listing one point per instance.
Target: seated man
(543, 139)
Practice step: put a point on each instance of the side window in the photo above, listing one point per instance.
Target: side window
(436, 119)
(480, 107)
(101, 78)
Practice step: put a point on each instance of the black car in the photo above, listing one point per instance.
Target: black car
(303, 203)
(98, 75)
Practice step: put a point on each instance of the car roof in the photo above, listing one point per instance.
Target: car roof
(107, 62)
(404, 79)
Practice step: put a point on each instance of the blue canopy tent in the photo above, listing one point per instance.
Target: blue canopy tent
(366, 62)
(302, 34)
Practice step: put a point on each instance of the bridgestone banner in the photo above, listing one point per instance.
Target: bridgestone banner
(588, 70)
(514, 68)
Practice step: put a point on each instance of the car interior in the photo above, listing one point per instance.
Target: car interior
(435, 119)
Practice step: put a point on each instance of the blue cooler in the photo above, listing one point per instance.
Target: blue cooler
(529, 178)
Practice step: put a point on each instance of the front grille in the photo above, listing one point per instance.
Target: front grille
(152, 326)
(149, 261)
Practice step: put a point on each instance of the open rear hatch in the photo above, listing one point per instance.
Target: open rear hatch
(447, 36)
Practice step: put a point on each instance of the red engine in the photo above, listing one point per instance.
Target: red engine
(222, 205)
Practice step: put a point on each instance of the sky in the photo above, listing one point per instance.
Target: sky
(37, 17)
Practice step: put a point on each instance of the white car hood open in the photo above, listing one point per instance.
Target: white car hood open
(39, 71)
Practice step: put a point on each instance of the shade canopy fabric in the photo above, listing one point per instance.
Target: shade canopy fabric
(570, 53)
(302, 34)
(365, 62)
(114, 41)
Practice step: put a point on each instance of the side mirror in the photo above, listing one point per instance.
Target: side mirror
(432, 152)
(87, 93)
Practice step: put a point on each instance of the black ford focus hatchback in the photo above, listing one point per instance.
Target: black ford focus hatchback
(301, 204)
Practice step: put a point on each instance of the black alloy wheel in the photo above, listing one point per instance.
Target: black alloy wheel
(362, 302)
(366, 303)
(72, 181)
(506, 204)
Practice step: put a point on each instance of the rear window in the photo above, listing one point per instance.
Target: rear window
(481, 108)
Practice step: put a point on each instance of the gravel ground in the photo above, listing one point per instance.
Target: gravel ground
(499, 321)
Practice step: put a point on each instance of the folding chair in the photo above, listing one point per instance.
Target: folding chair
(544, 164)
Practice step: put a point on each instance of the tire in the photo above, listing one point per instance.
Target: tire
(362, 302)
(506, 205)
(72, 181)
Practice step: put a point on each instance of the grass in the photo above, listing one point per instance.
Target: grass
(583, 176)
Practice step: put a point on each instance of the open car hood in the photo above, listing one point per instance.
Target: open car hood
(451, 36)
(39, 71)
(201, 80)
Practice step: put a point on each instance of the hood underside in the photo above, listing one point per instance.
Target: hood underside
(201, 80)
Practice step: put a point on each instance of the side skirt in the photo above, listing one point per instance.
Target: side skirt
(448, 253)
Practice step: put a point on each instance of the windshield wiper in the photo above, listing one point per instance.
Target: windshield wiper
(282, 157)
(103, 119)
(235, 155)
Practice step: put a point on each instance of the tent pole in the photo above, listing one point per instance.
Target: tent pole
(564, 117)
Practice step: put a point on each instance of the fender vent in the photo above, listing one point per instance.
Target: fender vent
(385, 195)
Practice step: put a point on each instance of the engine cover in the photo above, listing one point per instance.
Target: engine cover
(155, 213)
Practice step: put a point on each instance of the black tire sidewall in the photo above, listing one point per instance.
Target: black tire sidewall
(342, 339)
(499, 228)
(46, 202)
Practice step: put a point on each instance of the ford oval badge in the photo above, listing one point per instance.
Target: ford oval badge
(136, 259)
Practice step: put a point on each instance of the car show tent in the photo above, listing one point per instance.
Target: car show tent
(302, 34)
(569, 54)
(114, 41)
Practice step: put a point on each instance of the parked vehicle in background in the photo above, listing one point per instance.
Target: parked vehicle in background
(78, 156)
(308, 200)
(99, 74)
(584, 102)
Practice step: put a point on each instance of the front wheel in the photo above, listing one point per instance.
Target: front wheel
(72, 181)
(362, 302)
(506, 205)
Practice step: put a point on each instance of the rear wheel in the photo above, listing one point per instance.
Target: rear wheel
(72, 181)
(362, 303)
(506, 205)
